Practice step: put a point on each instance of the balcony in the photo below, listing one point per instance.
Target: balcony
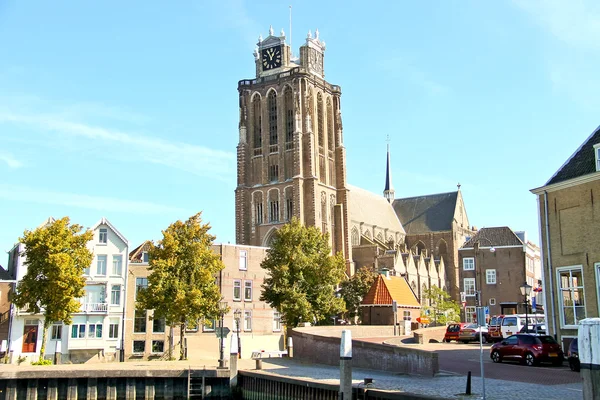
(101, 308)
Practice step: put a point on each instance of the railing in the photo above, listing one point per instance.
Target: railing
(93, 307)
(291, 72)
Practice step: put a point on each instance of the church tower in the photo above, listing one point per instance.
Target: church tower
(388, 191)
(291, 161)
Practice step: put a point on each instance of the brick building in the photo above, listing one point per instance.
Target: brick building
(569, 213)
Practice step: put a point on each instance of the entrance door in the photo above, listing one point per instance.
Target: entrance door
(29, 338)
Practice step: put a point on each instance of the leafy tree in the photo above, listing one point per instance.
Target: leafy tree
(302, 275)
(181, 284)
(443, 307)
(55, 255)
(356, 288)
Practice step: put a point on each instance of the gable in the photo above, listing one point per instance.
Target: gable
(385, 290)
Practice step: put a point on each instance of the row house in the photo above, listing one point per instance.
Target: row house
(495, 263)
(569, 215)
(258, 324)
(95, 334)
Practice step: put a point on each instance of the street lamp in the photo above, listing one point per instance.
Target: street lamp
(525, 291)
(222, 310)
(237, 314)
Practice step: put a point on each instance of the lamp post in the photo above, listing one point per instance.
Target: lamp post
(237, 314)
(222, 309)
(525, 291)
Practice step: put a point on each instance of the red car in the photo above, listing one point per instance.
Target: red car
(528, 349)
(453, 331)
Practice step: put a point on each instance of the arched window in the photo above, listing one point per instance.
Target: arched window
(420, 248)
(289, 115)
(257, 124)
(320, 122)
(272, 104)
(423, 295)
(355, 237)
(289, 203)
(442, 248)
(323, 212)
(330, 133)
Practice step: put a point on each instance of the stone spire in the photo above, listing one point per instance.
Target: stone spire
(388, 192)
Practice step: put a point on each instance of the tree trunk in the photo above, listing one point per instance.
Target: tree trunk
(182, 341)
(44, 334)
(171, 342)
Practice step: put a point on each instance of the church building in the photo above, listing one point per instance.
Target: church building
(292, 163)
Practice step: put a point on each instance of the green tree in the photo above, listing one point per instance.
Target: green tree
(441, 304)
(56, 255)
(181, 284)
(356, 288)
(302, 275)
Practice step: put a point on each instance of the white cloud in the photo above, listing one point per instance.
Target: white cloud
(40, 196)
(10, 160)
(198, 160)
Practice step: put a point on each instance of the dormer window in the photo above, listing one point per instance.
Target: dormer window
(103, 238)
(145, 257)
(597, 156)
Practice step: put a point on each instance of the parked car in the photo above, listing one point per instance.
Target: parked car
(528, 349)
(453, 330)
(573, 355)
(539, 329)
(494, 328)
(470, 333)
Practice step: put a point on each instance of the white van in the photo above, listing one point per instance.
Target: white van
(513, 323)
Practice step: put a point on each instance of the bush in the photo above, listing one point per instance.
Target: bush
(42, 362)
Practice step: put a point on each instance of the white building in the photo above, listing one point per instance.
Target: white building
(96, 332)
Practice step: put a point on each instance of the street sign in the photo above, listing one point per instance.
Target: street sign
(480, 316)
(423, 320)
(222, 332)
(487, 310)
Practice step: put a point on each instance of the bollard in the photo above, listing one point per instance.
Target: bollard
(468, 390)
(589, 356)
(290, 347)
(346, 365)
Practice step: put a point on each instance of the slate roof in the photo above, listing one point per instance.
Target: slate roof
(582, 162)
(4, 275)
(364, 206)
(384, 290)
(135, 255)
(430, 213)
(498, 236)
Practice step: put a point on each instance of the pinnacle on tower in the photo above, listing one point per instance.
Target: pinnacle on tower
(388, 192)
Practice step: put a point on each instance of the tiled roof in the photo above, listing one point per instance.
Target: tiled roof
(384, 290)
(372, 209)
(423, 214)
(582, 162)
(135, 255)
(499, 236)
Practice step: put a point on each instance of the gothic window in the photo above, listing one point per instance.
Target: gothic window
(331, 211)
(274, 211)
(274, 173)
(289, 116)
(289, 204)
(420, 248)
(258, 208)
(442, 248)
(257, 124)
(323, 212)
(330, 133)
(320, 122)
(355, 237)
(272, 104)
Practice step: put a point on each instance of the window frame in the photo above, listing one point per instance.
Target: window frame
(237, 284)
(597, 156)
(112, 295)
(247, 321)
(112, 327)
(559, 290)
(136, 320)
(206, 328)
(469, 311)
(138, 286)
(81, 333)
(154, 322)
(465, 286)
(56, 332)
(243, 263)
(492, 301)
(471, 262)
(100, 257)
(103, 236)
(248, 298)
(117, 271)
(487, 277)
(152, 347)
(133, 347)
(93, 333)
(277, 321)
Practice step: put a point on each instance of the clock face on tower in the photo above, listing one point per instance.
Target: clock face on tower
(271, 58)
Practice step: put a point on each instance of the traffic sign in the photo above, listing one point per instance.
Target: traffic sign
(423, 320)
(222, 332)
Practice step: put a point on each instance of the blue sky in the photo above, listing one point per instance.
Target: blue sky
(129, 110)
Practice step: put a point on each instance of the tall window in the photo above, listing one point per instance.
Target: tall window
(274, 173)
(272, 100)
(469, 314)
(243, 260)
(330, 133)
(103, 236)
(145, 257)
(247, 320)
(117, 267)
(56, 332)
(468, 264)
(289, 209)
(259, 213)
(289, 116)
(95, 331)
(237, 289)
(320, 122)
(490, 276)
(469, 286)
(276, 321)
(139, 322)
(140, 283)
(247, 290)
(355, 238)
(113, 329)
(572, 295)
(158, 325)
(274, 211)
(78, 331)
(257, 124)
(101, 265)
(115, 295)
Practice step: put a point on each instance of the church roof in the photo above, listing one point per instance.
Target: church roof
(497, 237)
(373, 209)
(384, 290)
(430, 213)
(582, 162)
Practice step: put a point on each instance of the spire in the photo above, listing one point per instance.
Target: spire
(388, 192)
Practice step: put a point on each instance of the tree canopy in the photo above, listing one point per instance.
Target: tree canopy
(302, 275)
(56, 255)
(356, 288)
(444, 308)
(183, 267)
